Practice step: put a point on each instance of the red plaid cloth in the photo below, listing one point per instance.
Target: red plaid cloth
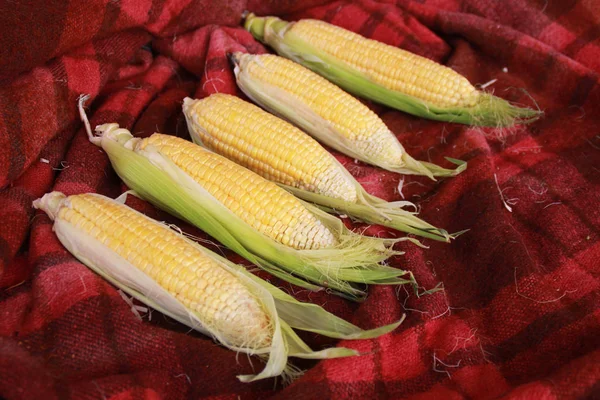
(519, 317)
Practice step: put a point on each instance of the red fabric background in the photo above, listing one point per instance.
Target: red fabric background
(519, 317)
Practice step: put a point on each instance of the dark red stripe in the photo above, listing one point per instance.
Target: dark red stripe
(61, 91)
(541, 172)
(593, 392)
(557, 9)
(333, 11)
(31, 33)
(583, 88)
(215, 64)
(11, 114)
(19, 201)
(50, 260)
(590, 35)
(155, 10)
(371, 23)
(543, 328)
(112, 11)
(5, 254)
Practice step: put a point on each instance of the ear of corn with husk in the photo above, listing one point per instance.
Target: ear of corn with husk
(326, 112)
(282, 153)
(193, 285)
(216, 195)
(386, 74)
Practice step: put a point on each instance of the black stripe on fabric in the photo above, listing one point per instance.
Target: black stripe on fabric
(540, 126)
(583, 218)
(379, 389)
(108, 328)
(35, 38)
(543, 328)
(584, 86)
(187, 17)
(557, 9)
(333, 11)
(50, 260)
(17, 195)
(475, 207)
(537, 133)
(49, 340)
(467, 7)
(5, 254)
(541, 80)
(303, 388)
(404, 388)
(429, 377)
(509, 349)
(12, 120)
(590, 35)
(497, 279)
(155, 10)
(593, 392)
(217, 63)
(371, 23)
(49, 336)
(61, 91)
(586, 159)
(552, 9)
(112, 11)
(582, 214)
(17, 289)
(409, 41)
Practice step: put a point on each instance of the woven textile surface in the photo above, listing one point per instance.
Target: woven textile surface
(519, 316)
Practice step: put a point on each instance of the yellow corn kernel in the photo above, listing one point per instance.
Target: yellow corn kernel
(389, 66)
(201, 284)
(245, 193)
(267, 145)
(347, 115)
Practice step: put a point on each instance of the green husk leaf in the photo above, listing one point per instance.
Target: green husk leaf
(313, 318)
(297, 347)
(439, 171)
(439, 287)
(392, 217)
(488, 111)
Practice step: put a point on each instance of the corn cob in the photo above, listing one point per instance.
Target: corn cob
(279, 215)
(248, 214)
(326, 112)
(265, 144)
(386, 74)
(192, 284)
(282, 153)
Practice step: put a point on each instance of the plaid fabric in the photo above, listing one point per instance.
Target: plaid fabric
(519, 316)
